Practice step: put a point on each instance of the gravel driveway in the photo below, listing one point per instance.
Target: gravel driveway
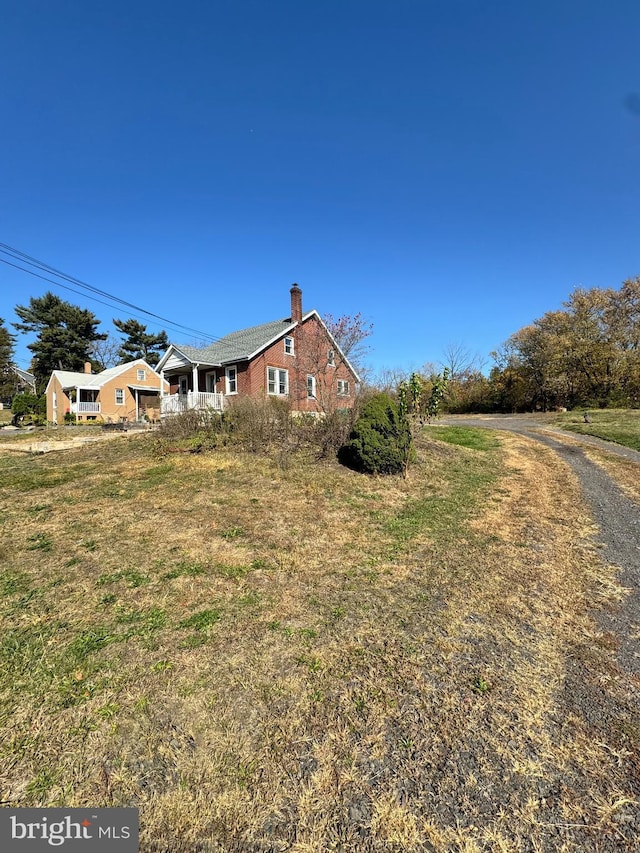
(616, 515)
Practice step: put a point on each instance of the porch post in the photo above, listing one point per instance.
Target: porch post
(195, 378)
(136, 390)
(77, 403)
(162, 383)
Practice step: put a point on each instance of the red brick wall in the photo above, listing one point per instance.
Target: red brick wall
(311, 348)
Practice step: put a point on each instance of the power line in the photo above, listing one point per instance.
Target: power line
(22, 257)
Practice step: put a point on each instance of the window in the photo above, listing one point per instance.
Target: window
(277, 381)
(331, 358)
(119, 396)
(142, 375)
(311, 386)
(231, 375)
(343, 388)
(288, 346)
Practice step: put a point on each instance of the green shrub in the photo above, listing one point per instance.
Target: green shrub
(380, 442)
(29, 408)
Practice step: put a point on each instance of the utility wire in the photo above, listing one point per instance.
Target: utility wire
(22, 257)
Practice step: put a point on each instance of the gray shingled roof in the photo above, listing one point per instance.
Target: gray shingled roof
(26, 377)
(238, 345)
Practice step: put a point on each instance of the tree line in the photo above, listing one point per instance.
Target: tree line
(587, 354)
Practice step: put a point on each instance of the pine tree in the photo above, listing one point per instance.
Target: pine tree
(7, 373)
(139, 343)
(65, 335)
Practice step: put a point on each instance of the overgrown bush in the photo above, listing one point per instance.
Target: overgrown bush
(29, 408)
(380, 441)
(257, 424)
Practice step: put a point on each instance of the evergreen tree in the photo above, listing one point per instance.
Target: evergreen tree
(7, 374)
(380, 442)
(65, 335)
(139, 343)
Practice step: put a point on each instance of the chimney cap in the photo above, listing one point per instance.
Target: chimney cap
(296, 303)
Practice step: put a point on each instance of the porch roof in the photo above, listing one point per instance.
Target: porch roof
(144, 388)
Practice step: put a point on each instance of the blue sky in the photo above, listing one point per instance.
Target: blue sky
(450, 168)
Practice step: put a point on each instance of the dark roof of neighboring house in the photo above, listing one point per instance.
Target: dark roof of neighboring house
(28, 378)
(240, 345)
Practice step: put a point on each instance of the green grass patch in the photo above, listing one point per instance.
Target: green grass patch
(201, 620)
(621, 426)
(472, 437)
(28, 474)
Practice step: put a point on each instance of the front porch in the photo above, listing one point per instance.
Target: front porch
(173, 404)
(84, 407)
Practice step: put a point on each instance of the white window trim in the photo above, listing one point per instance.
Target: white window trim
(293, 345)
(227, 380)
(119, 391)
(142, 371)
(331, 358)
(346, 388)
(276, 383)
(312, 389)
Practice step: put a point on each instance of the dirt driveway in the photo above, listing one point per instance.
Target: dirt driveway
(616, 515)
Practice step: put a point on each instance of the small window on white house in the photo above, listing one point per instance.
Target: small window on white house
(289, 346)
(142, 375)
(343, 388)
(277, 381)
(119, 396)
(231, 375)
(331, 358)
(311, 386)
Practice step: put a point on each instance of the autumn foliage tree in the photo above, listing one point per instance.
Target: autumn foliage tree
(586, 354)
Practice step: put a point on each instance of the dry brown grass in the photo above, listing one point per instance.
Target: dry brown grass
(308, 659)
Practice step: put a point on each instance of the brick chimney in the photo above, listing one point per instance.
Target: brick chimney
(87, 367)
(296, 304)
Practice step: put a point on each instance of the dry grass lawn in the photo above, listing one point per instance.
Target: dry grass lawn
(295, 657)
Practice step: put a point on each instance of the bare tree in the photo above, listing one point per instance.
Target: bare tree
(105, 354)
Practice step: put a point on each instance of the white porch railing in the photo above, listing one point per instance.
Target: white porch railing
(173, 404)
(83, 408)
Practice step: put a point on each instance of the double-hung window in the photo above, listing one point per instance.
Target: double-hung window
(119, 396)
(277, 381)
(142, 375)
(231, 376)
(331, 358)
(289, 346)
(343, 388)
(311, 386)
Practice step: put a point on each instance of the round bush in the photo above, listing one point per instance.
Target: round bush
(380, 442)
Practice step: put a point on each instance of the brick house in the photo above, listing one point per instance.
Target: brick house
(295, 358)
(128, 392)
